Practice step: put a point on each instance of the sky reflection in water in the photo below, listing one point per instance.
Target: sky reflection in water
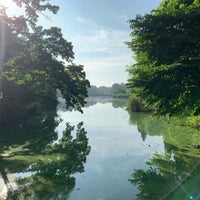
(116, 149)
(114, 155)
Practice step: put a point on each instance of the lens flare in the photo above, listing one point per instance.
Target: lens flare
(11, 8)
(6, 3)
(2, 45)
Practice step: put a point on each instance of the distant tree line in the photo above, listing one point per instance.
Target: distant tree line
(116, 90)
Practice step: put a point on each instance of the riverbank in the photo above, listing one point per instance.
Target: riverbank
(136, 104)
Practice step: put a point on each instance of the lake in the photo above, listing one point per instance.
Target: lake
(106, 153)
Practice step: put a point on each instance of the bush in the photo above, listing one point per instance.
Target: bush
(120, 95)
(136, 104)
(194, 122)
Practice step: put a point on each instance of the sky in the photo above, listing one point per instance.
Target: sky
(98, 30)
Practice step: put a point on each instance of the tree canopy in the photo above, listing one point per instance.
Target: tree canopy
(166, 46)
(35, 62)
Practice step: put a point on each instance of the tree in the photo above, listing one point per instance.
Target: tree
(119, 88)
(34, 64)
(166, 45)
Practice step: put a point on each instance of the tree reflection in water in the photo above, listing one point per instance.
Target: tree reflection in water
(174, 174)
(42, 164)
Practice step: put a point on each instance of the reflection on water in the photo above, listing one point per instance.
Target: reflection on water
(34, 166)
(129, 156)
(174, 174)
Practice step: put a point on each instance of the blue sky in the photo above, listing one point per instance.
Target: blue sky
(98, 30)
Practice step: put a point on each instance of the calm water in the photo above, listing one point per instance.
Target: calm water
(112, 155)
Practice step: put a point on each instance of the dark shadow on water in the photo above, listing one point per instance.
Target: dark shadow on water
(42, 166)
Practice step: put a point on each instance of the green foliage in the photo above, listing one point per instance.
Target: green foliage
(32, 9)
(116, 91)
(120, 95)
(166, 44)
(99, 91)
(136, 104)
(119, 91)
(194, 122)
(34, 64)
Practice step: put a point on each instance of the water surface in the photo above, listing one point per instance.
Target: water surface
(112, 155)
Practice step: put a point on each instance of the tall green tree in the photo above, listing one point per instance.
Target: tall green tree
(166, 46)
(33, 63)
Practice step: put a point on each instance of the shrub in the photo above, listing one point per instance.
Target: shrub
(194, 122)
(136, 104)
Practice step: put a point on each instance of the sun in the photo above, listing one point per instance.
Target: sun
(10, 6)
(6, 3)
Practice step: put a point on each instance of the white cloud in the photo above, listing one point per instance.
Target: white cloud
(109, 41)
(107, 63)
(86, 22)
(107, 70)
(101, 51)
